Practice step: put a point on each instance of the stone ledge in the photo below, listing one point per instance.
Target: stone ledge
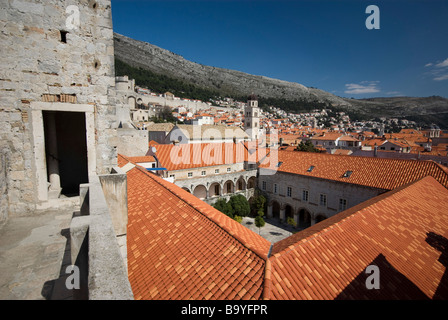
(108, 279)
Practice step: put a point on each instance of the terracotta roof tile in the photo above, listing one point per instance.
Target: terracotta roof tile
(380, 173)
(186, 156)
(328, 260)
(141, 159)
(180, 247)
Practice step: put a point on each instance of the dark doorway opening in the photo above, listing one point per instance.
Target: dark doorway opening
(70, 153)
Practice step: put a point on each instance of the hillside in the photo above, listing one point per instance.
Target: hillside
(170, 71)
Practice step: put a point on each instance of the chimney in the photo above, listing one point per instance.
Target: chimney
(375, 151)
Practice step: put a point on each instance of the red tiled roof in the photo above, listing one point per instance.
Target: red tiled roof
(373, 142)
(122, 160)
(186, 156)
(380, 173)
(348, 138)
(179, 247)
(141, 159)
(404, 232)
(328, 136)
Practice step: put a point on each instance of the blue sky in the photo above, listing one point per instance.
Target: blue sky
(323, 44)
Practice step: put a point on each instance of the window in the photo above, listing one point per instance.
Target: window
(263, 185)
(203, 173)
(347, 174)
(229, 188)
(216, 171)
(190, 174)
(289, 192)
(217, 190)
(323, 200)
(275, 188)
(63, 36)
(172, 176)
(305, 195)
(310, 168)
(342, 204)
(228, 169)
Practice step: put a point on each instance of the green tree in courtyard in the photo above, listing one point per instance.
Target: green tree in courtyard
(224, 206)
(259, 223)
(240, 205)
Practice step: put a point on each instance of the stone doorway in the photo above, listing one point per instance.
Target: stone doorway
(65, 152)
(64, 148)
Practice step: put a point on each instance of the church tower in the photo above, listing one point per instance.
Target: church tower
(252, 117)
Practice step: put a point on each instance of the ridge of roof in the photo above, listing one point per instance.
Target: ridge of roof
(342, 279)
(260, 246)
(333, 221)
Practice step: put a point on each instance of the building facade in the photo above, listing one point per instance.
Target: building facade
(311, 187)
(309, 200)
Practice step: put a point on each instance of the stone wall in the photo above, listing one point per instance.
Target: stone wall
(48, 56)
(4, 206)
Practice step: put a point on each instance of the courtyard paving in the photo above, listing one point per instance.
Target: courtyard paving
(273, 230)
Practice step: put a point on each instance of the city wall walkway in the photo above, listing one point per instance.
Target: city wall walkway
(34, 252)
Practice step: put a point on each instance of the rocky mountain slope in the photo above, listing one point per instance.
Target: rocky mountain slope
(148, 56)
(235, 83)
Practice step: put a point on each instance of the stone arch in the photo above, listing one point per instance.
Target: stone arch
(200, 192)
(215, 189)
(304, 218)
(289, 211)
(240, 184)
(251, 183)
(132, 102)
(276, 209)
(186, 189)
(228, 187)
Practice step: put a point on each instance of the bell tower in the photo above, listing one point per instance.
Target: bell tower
(252, 117)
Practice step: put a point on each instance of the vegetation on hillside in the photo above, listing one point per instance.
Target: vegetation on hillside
(161, 83)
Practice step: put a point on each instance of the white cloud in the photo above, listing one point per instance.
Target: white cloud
(439, 70)
(364, 87)
(442, 77)
(443, 64)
